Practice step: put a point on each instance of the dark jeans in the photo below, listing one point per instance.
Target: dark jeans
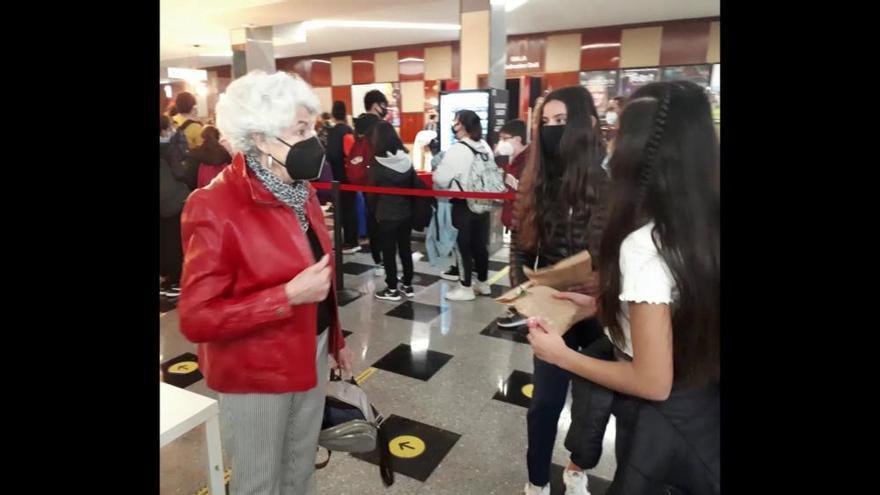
(395, 239)
(548, 399)
(170, 249)
(348, 211)
(473, 242)
(373, 234)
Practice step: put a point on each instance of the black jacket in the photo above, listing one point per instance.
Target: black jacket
(394, 171)
(336, 151)
(172, 189)
(580, 230)
(672, 446)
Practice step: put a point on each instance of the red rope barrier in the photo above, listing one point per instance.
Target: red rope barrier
(399, 191)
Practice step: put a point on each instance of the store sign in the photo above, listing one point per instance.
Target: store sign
(525, 55)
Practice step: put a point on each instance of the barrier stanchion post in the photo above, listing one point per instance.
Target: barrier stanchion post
(343, 295)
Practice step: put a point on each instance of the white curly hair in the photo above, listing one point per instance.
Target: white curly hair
(260, 103)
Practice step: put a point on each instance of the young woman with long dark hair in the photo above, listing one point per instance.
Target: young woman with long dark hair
(560, 211)
(659, 299)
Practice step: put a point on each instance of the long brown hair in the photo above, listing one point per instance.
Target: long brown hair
(665, 168)
(540, 198)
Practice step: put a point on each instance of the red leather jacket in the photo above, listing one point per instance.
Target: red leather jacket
(241, 247)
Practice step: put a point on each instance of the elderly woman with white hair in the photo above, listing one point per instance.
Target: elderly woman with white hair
(257, 290)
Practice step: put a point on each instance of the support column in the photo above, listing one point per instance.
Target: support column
(252, 49)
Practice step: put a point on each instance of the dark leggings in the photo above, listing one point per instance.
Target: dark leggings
(373, 234)
(395, 239)
(548, 399)
(473, 242)
(349, 218)
(170, 249)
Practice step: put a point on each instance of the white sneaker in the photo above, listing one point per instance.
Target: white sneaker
(575, 482)
(461, 293)
(481, 288)
(531, 489)
(379, 271)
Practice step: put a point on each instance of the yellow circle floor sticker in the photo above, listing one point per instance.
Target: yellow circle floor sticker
(528, 389)
(406, 446)
(184, 367)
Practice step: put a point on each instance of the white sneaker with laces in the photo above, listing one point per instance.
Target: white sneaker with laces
(482, 288)
(575, 482)
(531, 489)
(461, 293)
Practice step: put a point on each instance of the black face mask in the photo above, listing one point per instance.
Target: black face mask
(551, 136)
(305, 159)
(383, 111)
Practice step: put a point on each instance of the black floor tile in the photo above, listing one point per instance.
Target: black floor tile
(417, 448)
(354, 268)
(347, 295)
(497, 265)
(419, 365)
(166, 304)
(182, 371)
(498, 290)
(424, 279)
(416, 311)
(517, 389)
(517, 334)
(597, 486)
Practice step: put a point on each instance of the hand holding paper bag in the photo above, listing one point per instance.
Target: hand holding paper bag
(540, 297)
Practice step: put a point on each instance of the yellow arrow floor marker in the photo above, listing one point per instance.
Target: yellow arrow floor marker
(406, 446)
(183, 368)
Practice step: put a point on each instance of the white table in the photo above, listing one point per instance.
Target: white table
(179, 412)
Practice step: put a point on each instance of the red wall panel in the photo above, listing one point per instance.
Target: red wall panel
(684, 43)
(343, 93)
(600, 48)
(558, 80)
(363, 69)
(321, 73)
(410, 125)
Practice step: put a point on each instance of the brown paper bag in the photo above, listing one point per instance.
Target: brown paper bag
(560, 314)
(572, 271)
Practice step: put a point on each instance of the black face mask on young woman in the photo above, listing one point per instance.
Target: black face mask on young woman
(304, 160)
(551, 137)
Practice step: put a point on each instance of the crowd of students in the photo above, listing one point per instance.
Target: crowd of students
(641, 195)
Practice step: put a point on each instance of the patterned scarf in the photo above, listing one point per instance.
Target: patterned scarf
(293, 195)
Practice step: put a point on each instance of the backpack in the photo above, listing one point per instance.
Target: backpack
(357, 162)
(179, 147)
(352, 424)
(484, 176)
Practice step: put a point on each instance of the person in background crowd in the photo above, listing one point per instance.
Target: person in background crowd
(612, 117)
(431, 125)
(205, 162)
(340, 139)
(258, 293)
(613, 120)
(392, 167)
(322, 127)
(186, 119)
(560, 211)
(514, 135)
(359, 160)
(473, 228)
(660, 289)
(171, 112)
(173, 192)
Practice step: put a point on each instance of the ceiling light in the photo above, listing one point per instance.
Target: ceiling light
(187, 74)
(168, 93)
(596, 46)
(317, 24)
(510, 5)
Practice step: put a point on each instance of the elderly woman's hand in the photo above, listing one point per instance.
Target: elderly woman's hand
(311, 285)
